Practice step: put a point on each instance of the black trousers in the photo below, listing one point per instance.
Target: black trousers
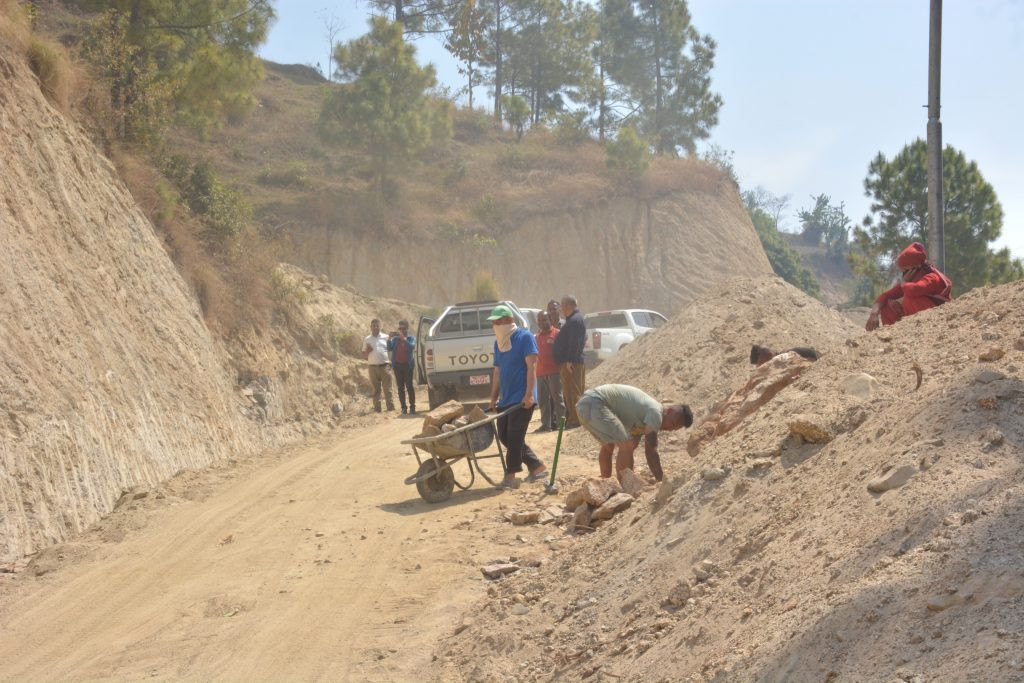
(403, 377)
(512, 434)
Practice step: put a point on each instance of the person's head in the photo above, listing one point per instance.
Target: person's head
(501, 315)
(543, 321)
(911, 261)
(759, 355)
(568, 305)
(553, 312)
(675, 416)
(403, 327)
(375, 326)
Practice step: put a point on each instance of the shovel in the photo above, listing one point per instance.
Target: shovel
(552, 487)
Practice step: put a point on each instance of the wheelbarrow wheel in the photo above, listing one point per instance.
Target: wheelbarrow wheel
(437, 488)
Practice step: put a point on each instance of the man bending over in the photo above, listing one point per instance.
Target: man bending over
(618, 415)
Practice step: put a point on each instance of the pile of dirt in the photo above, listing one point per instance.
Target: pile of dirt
(856, 527)
(703, 353)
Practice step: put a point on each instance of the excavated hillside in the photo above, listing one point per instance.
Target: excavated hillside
(544, 216)
(856, 527)
(110, 379)
(619, 252)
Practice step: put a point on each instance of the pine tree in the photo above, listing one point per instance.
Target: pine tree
(194, 59)
(899, 215)
(384, 107)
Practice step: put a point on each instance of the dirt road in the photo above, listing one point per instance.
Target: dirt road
(319, 565)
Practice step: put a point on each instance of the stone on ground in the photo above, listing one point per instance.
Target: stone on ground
(612, 506)
(443, 414)
(892, 479)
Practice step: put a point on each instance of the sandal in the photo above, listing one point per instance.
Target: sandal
(537, 476)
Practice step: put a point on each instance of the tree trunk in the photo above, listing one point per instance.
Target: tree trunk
(602, 101)
(469, 75)
(497, 61)
(657, 78)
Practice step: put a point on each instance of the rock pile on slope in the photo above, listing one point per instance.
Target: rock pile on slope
(859, 528)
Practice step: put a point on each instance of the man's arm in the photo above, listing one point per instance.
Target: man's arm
(894, 292)
(531, 379)
(495, 387)
(651, 453)
(366, 350)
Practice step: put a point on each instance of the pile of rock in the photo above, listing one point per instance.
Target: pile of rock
(448, 417)
(598, 500)
(586, 507)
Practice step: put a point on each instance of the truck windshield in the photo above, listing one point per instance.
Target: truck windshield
(471, 321)
(603, 320)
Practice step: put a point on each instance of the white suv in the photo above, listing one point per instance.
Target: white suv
(609, 331)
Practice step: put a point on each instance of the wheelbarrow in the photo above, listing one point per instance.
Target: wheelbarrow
(435, 477)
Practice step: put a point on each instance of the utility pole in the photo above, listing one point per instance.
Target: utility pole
(936, 232)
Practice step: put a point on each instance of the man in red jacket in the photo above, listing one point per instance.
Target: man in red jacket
(921, 286)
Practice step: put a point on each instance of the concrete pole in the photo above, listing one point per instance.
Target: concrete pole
(936, 234)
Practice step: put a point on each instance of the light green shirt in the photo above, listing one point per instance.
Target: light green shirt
(635, 409)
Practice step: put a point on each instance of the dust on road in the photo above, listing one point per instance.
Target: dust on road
(320, 565)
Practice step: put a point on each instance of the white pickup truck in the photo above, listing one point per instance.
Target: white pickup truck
(455, 352)
(609, 331)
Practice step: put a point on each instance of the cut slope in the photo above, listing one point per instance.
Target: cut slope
(787, 567)
(109, 379)
(623, 252)
(109, 376)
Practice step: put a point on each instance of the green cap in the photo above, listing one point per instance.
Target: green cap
(501, 311)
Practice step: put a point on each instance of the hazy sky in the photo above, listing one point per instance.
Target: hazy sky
(813, 89)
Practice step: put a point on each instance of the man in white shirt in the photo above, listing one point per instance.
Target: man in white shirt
(375, 350)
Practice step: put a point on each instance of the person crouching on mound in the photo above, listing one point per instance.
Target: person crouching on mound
(921, 286)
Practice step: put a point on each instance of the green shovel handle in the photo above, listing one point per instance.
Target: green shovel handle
(558, 447)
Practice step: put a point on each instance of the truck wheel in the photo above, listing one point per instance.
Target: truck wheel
(438, 488)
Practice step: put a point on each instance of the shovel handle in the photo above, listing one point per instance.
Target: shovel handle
(558, 447)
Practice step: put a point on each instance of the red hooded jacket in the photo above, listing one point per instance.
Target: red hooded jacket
(929, 288)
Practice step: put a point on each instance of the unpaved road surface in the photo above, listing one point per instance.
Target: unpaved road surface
(319, 565)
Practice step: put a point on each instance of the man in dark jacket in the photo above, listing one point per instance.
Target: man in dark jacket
(569, 356)
(403, 360)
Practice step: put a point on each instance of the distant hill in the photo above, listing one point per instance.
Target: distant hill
(836, 279)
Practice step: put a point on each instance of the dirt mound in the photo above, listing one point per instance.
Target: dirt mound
(854, 528)
(703, 353)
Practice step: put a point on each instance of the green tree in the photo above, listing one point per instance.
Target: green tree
(784, 260)
(674, 85)
(617, 62)
(190, 59)
(384, 107)
(466, 40)
(517, 113)
(628, 154)
(826, 223)
(417, 17)
(973, 218)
